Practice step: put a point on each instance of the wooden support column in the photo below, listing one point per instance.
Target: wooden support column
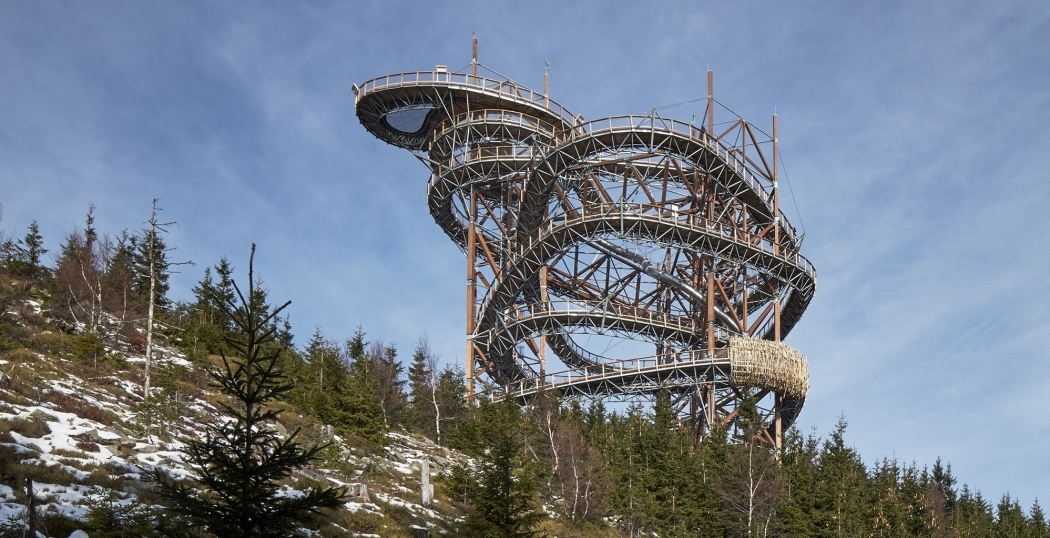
(778, 424)
(543, 334)
(710, 318)
(711, 311)
(472, 293)
(776, 189)
(776, 319)
(474, 60)
(710, 103)
(776, 219)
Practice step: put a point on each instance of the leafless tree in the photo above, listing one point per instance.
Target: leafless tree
(386, 374)
(752, 483)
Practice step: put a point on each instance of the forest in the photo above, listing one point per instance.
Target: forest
(551, 467)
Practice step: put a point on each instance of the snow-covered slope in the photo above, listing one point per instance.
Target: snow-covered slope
(88, 441)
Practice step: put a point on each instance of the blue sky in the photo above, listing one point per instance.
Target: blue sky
(914, 135)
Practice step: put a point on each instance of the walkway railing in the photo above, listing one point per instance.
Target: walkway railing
(502, 88)
(668, 362)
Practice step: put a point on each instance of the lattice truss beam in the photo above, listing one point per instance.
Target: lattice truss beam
(613, 258)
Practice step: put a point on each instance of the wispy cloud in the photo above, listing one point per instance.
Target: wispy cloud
(914, 135)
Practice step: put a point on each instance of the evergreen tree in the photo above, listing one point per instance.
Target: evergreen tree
(25, 257)
(240, 462)
(450, 394)
(358, 404)
(972, 516)
(841, 492)
(208, 323)
(323, 378)
(945, 484)
(420, 385)
(121, 298)
(425, 409)
(799, 469)
(631, 499)
(151, 247)
(386, 373)
(1037, 523)
(502, 490)
(1010, 521)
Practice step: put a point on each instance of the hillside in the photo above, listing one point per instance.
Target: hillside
(78, 430)
(74, 421)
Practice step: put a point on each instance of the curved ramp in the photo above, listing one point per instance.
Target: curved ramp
(584, 238)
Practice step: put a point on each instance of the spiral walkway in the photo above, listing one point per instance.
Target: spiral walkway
(612, 258)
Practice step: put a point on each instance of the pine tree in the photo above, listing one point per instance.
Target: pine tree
(121, 298)
(386, 377)
(208, 322)
(1010, 521)
(972, 515)
(358, 404)
(422, 390)
(451, 386)
(503, 489)
(945, 483)
(27, 253)
(323, 378)
(240, 462)
(151, 249)
(799, 462)
(1037, 523)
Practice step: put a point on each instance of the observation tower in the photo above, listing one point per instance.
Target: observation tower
(612, 258)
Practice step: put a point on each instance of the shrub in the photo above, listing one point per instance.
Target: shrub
(52, 343)
(87, 347)
(87, 446)
(28, 427)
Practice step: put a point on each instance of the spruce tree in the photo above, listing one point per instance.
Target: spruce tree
(121, 298)
(151, 248)
(973, 514)
(27, 255)
(421, 390)
(842, 487)
(799, 462)
(1037, 523)
(451, 386)
(322, 379)
(241, 461)
(1010, 520)
(208, 322)
(502, 490)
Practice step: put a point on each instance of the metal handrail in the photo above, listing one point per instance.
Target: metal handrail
(504, 88)
(744, 169)
(596, 307)
(616, 210)
(494, 115)
(476, 153)
(554, 380)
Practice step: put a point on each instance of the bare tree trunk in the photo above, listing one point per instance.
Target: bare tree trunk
(752, 486)
(152, 297)
(432, 365)
(32, 507)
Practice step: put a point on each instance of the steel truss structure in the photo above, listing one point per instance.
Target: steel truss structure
(590, 240)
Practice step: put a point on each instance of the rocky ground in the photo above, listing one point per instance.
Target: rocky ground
(83, 437)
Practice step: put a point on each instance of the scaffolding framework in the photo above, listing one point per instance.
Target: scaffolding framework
(585, 240)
